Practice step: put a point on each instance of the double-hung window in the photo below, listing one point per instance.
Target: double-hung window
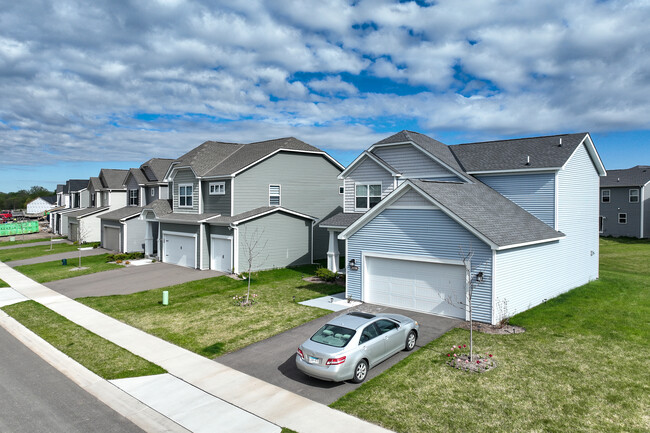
(604, 196)
(622, 218)
(217, 188)
(185, 195)
(634, 196)
(366, 195)
(133, 197)
(274, 195)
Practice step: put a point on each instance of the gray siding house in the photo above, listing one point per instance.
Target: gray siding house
(122, 229)
(625, 202)
(518, 219)
(223, 195)
(70, 197)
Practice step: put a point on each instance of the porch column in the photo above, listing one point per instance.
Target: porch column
(148, 240)
(333, 252)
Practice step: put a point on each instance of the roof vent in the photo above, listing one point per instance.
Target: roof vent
(560, 145)
(527, 159)
(618, 179)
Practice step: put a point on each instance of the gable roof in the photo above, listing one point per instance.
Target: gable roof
(59, 188)
(160, 207)
(95, 183)
(524, 154)
(138, 175)
(123, 213)
(490, 216)
(635, 176)
(215, 159)
(254, 213)
(51, 199)
(75, 185)
(158, 166)
(112, 178)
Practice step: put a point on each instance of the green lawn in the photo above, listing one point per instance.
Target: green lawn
(26, 241)
(35, 251)
(98, 355)
(51, 271)
(579, 367)
(3, 284)
(202, 317)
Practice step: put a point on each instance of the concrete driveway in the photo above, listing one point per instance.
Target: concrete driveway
(128, 280)
(273, 360)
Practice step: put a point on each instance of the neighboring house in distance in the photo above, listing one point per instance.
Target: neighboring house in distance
(122, 229)
(527, 209)
(69, 196)
(625, 202)
(222, 194)
(106, 192)
(41, 204)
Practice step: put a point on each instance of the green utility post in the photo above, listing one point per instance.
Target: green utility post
(165, 297)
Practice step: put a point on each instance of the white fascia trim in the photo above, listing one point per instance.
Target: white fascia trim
(332, 160)
(493, 291)
(421, 149)
(516, 171)
(593, 153)
(173, 169)
(557, 200)
(208, 219)
(187, 235)
(277, 209)
(311, 243)
(222, 177)
(232, 196)
(413, 258)
(332, 227)
(123, 247)
(641, 199)
(366, 154)
(200, 195)
(525, 244)
(126, 218)
(171, 221)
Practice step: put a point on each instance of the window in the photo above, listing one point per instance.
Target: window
(185, 195)
(217, 188)
(133, 197)
(274, 195)
(367, 196)
(341, 189)
(634, 196)
(369, 333)
(604, 196)
(385, 326)
(622, 218)
(153, 192)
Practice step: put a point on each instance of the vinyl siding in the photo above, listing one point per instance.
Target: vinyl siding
(285, 241)
(185, 176)
(422, 232)
(527, 276)
(84, 199)
(132, 185)
(619, 202)
(216, 203)
(533, 192)
(150, 198)
(136, 232)
(411, 162)
(411, 199)
(309, 185)
(367, 171)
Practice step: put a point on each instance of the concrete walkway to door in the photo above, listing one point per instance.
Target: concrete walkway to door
(128, 280)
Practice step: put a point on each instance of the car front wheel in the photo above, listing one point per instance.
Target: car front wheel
(360, 372)
(410, 341)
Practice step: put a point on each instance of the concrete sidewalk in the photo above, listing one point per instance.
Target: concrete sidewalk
(250, 395)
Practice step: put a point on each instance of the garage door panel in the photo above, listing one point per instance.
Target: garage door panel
(415, 285)
(179, 250)
(112, 238)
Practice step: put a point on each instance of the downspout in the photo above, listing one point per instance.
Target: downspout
(642, 208)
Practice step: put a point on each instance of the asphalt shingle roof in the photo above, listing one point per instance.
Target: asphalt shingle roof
(341, 220)
(544, 152)
(85, 211)
(635, 176)
(158, 166)
(95, 183)
(488, 212)
(112, 178)
(159, 207)
(226, 220)
(51, 199)
(75, 185)
(123, 212)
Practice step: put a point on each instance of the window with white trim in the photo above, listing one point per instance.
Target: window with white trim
(634, 196)
(274, 195)
(133, 197)
(604, 196)
(622, 218)
(153, 192)
(367, 195)
(185, 195)
(217, 188)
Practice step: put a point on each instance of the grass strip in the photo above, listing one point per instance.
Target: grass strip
(3, 284)
(51, 271)
(203, 317)
(35, 251)
(93, 352)
(578, 367)
(26, 241)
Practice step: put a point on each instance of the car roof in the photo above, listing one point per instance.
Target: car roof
(357, 319)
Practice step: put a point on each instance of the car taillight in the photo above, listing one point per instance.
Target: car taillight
(335, 361)
(300, 354)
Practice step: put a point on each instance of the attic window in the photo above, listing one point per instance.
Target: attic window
(634, 196)
(274, 195)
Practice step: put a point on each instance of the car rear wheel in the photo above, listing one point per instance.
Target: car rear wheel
(410, 341)
(360, 372)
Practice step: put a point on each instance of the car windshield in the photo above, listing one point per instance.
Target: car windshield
(332, 335)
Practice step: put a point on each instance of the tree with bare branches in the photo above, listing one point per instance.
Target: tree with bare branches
(254, 246)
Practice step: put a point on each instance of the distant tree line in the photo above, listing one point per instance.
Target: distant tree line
(19, 199)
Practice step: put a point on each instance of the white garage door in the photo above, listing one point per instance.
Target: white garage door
(73, 232)
(179, 250)
(220, 251)
(415, 285)
(112, 238)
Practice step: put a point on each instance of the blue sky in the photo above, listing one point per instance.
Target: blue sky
(113, 83)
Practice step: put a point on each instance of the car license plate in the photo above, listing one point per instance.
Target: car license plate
(313, 360)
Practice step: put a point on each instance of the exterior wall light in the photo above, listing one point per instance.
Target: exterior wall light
(353, 265)
(479, 277)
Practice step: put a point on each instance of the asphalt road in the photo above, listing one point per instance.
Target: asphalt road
(35, 397)
(273, 360)
(128, 280)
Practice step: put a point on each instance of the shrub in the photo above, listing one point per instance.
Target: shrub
(122, 257)
(326, 275)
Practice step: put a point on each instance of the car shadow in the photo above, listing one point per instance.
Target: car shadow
(289, 370)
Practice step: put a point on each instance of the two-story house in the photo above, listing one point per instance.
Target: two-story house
(122, 229)
(105, 193)
(625, 202)
(225, 196)
(514, 221)
(69, 195)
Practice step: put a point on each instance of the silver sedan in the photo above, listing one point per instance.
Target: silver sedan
(351, 344)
